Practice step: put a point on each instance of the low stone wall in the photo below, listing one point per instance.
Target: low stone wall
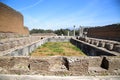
(108, 46)
(62, 66)
(24, 46)
(59, 39)
(44, 34)
(9, 43)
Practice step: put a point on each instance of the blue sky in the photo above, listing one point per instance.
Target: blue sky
(56, 14)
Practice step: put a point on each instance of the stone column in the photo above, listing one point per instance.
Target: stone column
(68, 33)
(81, 32)
(74, 31)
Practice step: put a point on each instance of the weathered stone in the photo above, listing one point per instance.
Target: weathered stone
(6, 62)
(109, 46)
(59, 64)
(3, 71)
(39, 64)
(101, 44)
(92, 41)
(96, 43)
(95, 61)
(6, 46)
(89, 41)
(116, 48)
(20, 63)
(78, 66)
(1, 47)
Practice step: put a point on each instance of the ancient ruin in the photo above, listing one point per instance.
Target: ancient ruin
(110, 32)
(103, 56)
(11, 21)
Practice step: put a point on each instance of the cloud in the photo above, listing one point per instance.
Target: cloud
(30, 6)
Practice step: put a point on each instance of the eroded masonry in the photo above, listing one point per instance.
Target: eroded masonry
(103, 55)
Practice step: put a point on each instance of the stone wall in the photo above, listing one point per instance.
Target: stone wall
(57, 65)
(111, 32)
(19, 46)
(24, 46)
(11, 21)
(90, 46)
(97, 46)
(44, 34)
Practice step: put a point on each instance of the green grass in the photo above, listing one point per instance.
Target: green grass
(57, 48)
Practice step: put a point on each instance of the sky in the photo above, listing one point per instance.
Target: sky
(57, 14)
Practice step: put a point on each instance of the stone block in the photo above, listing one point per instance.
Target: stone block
(59, 64)
(95, 61)
(1, 47)
(6, 62)
(89, 41)
(78, 65)
(12, 45)
(116, 48)
(92, 41)
(101, 44)
(96, 43)
(20, 63)
(37, 64)
(109, 46)
(6, 46)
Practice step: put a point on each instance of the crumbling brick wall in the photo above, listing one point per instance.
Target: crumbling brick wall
(11, 20)
(58, 65)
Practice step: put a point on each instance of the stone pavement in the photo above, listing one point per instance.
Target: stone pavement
(38, 77)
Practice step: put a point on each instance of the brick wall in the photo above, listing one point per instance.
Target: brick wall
(111, 32)
(62, 66)
(11, 20)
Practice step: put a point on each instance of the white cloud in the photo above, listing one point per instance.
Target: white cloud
(30, 6)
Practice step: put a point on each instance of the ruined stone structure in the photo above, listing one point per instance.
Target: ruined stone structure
(97, 47)
(44, 34)
(11, 21)
(16, 59)
(60, 66)
(111, 32)
(103, 55)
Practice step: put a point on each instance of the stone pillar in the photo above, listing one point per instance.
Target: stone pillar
(81, 32)
(68, 33)
(74, 31)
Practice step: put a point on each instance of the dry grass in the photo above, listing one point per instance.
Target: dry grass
(57, 48)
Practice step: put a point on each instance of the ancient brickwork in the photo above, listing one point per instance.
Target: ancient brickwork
(10, 43)
(63, 66)
(11, 21)
(106, 32)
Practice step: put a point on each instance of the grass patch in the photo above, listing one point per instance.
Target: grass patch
(57, 48)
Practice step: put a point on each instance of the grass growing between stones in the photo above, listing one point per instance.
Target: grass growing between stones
(57, 48)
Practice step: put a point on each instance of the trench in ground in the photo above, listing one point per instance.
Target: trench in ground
(57, 48)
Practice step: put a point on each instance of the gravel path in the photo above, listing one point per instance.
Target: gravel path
(37, 77)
